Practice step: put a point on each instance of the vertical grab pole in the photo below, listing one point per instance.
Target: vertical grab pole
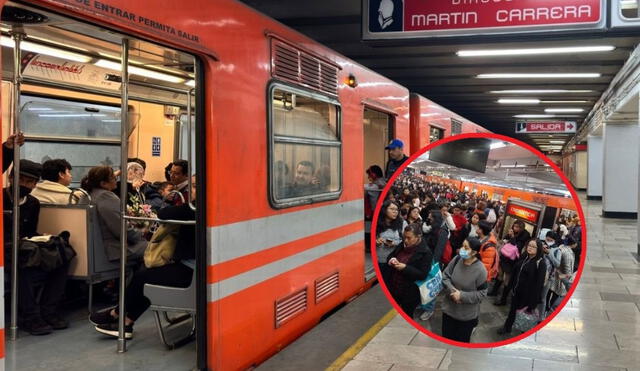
(189, 139)
(124, 153)
(17, 81)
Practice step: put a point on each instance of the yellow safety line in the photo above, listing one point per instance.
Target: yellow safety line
(354, 349)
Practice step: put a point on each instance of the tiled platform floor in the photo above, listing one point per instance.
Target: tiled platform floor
(599, 329)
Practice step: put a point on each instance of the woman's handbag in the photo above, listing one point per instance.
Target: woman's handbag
(510, 251)
(431, 286)
(526, 320)
(162, 245)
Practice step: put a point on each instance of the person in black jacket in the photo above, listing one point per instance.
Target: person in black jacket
(178, 273)
(396, 157)
(7, 149)
(410, 261)
(438, 236)
(37, 317)
(526, 283)
(518, 236)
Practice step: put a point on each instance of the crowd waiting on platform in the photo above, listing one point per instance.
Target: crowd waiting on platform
(427, 230)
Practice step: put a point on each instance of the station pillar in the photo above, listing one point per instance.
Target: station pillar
(621, 162)
(594, 168)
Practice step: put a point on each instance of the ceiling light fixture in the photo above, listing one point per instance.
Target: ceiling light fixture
(565, 101)
(565, 75)
(518, 101)
(41, 49)
(191, 83)
(534, 51)
(527, 116)
(556, 141)
(560, 110)
(540, 91)
(139, 71)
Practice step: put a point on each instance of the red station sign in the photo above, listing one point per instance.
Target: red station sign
(546, 127)
(455, 14)
(396, 19)
(522, 212)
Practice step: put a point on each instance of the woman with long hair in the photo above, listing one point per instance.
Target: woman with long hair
(527, 282)
(388, 234)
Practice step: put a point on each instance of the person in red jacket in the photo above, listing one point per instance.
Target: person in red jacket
(488, 249)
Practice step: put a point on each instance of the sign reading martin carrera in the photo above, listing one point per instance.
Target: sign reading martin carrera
(402, 19)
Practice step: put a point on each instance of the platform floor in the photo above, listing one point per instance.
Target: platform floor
(599, 329)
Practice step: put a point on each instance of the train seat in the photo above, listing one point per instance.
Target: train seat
(165, 299)
(91, 263)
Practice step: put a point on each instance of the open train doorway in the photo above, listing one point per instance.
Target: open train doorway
(378, 131)
(118, 113)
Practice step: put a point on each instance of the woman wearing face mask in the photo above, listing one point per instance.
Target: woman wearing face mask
(558, 281)
(410, 261)
(388, 235)
(465, 283)
(526, 283)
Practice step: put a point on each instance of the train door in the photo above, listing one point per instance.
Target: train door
(378, 131)
(103, 100)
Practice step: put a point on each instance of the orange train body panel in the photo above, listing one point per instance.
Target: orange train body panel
(506, 193)
(232, 41)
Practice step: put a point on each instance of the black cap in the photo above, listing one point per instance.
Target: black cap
(30, 169)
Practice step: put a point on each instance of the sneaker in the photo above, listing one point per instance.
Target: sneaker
(102, 318)
(426, 315)
(56, 322)
(111, 329)
(37, 327)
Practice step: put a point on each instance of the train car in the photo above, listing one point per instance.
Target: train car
(252, 105)
(431, 122)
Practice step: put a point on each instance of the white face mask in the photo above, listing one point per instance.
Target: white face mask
(551, 243)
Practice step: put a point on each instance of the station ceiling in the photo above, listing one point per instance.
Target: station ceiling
(435, 71)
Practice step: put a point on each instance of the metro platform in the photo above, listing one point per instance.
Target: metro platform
(598, 329)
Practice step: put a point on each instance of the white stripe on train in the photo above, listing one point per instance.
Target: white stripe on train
(231, 241)
(230, 286)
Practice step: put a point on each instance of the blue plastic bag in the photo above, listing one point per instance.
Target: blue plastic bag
(431, 286)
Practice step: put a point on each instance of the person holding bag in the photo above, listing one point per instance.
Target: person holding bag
(176, 272)
(526, 283)
(410, 261)
(465, 282)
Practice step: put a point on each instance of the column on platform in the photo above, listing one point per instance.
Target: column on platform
(620, 170)
(594, 167)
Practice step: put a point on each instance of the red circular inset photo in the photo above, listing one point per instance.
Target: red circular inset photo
(479, 240)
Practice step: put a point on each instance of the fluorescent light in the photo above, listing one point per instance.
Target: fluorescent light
(41, 49)
(534, 116)
(191, 83)
(139, 71)
(72, 115)
(534, 51)
(519, 101)
(559, 110)
(565, 101)
(538, 75)
(539, 91)
(556, 141)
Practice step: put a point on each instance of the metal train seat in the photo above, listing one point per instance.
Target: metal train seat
(165, 299)
(91, 263)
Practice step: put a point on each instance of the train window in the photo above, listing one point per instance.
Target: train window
(305, 147)
(456, 127)
(629, 9)
(435, 134)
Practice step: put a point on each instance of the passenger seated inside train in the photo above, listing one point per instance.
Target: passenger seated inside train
(54, 188)
(177, 273)
(179, 177)
(100, 183)
(38, 317)
(157, 198)
(304, 181)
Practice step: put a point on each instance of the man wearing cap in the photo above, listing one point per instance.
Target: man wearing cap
(37, 318)
(396, 157)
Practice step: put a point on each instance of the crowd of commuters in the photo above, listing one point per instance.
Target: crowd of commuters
(100, 187)
(421, 223)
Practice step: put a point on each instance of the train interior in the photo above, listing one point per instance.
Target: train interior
(70, 106)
